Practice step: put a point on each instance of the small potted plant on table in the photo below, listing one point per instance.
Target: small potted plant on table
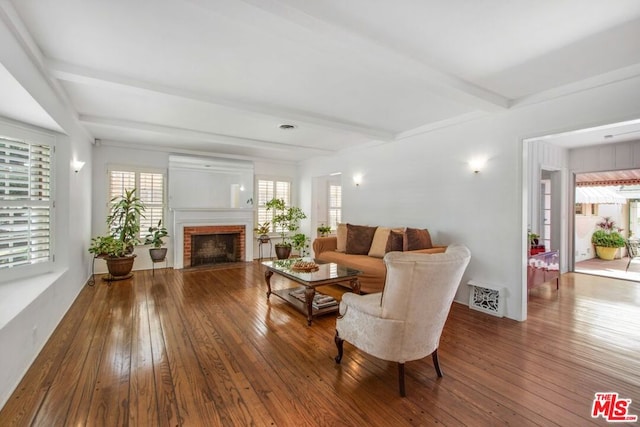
(323, 230)
(262, 230)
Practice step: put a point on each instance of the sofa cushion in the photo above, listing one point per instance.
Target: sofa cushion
(395, 242)
(341, 233)
(359, 238)
(379, 244)
(417, 239)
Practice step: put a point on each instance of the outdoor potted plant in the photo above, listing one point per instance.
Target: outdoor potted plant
(262, 230)
(116, 248)
(155, 238)
(323, 230)
(286, 220)
(607, 239)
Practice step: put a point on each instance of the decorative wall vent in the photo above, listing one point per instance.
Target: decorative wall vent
(486, 298)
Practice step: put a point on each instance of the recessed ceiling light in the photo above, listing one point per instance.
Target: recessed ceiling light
(287, 126)
(608, 136)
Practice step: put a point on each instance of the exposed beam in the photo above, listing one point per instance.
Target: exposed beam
(83, 75)
(191, 134)
(287, 21)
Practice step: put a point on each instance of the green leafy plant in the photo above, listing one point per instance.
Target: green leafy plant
(124, 219)
(156, 235)
(285, 218)
(262, 229)
(323, 230)
(107, 246)
(300, 242)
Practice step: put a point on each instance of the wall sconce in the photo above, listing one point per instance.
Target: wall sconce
(357, 179)
(477, 164)
(77, 165)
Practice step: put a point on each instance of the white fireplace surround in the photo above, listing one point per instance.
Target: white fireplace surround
(210, 217)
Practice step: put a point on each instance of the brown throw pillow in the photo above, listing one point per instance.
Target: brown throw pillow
(417, 239)
(359, 238)
(395, 241)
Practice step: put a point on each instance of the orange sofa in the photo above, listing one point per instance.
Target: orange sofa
(373, 269)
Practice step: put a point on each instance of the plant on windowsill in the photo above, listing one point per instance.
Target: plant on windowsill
(323, 230)
(116, 248)
(286, 219)
(607, 239)
(155, 238)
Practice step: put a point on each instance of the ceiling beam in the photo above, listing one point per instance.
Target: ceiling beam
(191, 134)
(315, 32)
(84, 75)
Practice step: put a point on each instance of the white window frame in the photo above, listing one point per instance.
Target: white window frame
(261, 214)
(45, 264)
(144, 228)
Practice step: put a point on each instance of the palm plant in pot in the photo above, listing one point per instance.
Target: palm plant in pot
(116, 248)
(286, 219)
(607, 239)
(155, 238)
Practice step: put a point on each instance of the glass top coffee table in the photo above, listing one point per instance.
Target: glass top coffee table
(302, 297)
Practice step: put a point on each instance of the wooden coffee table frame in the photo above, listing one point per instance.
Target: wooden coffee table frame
(306, 307)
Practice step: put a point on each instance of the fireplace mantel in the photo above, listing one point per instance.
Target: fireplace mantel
(194, 217)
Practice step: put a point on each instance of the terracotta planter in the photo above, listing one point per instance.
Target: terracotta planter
(606, 253)
(120, 267)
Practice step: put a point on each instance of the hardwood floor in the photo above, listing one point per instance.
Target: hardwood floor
(205, 348)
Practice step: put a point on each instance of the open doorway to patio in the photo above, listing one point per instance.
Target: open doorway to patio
(607, 201)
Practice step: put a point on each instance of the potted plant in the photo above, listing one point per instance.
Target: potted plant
(607, 239)
(300, 242)
(262, 230)
(116, 247)
(155, 238)
(323, 230)
(286, 220)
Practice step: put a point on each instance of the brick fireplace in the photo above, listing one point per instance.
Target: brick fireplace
(212, 249)
(186, 222)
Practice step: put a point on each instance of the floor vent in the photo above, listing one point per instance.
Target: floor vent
(486, 298)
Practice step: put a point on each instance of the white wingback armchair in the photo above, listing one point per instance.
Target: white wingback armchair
(405, 321)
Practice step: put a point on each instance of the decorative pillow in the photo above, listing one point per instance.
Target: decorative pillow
(359, 238)
(341, 233)
(417, 239)
(395, 242)
(379, 244)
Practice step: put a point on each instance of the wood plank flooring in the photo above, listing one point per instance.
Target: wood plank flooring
(206, 348)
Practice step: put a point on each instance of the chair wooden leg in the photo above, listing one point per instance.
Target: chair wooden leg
(628, 264)
(436, 365)
(339, 343)
(401, 379)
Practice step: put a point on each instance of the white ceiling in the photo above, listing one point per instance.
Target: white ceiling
(221, 75)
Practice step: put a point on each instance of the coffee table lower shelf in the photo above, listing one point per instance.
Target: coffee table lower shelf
(301, 305)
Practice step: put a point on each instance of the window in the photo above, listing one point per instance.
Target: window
(26, 202)
(150, 190)
(269, 189)
(335, 205)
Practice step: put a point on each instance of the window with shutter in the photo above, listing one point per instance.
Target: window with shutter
(335, 205)
(26, 202)
(150, 190)
(269, 189)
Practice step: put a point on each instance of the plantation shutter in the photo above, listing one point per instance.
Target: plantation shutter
(267, 190)
(335, 205)
(25, 193)
(151, 192)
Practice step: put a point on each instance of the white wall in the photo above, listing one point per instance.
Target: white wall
(424, 181)
(39, 303)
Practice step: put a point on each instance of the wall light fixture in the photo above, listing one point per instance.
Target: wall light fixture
(357, 179)
(477, 164)
(77, 165)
